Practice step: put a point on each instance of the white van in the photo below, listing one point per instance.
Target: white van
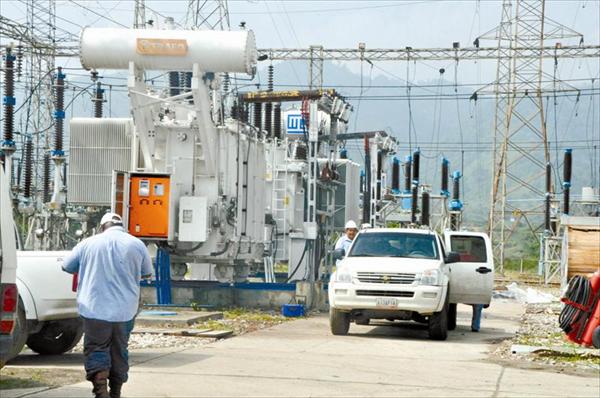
(407, 274)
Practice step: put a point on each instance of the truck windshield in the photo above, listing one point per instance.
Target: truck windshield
(394, 244)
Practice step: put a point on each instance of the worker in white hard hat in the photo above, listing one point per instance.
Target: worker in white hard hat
(109, 267)
(344, 242)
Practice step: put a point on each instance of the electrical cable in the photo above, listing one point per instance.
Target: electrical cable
(99, 14)
(578, 291)
(306, 244)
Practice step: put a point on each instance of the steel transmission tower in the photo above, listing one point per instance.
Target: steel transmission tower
(518, 184)
(38, 120)
(211, 14)
(139, 14)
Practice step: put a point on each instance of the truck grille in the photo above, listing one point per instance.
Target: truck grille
(384, 293)
(389, 278)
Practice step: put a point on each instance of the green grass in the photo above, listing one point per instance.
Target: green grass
(530, 265)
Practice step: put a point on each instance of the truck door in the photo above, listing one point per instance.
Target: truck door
(472, 278)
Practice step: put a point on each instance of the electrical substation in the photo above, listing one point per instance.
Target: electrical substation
(229, 185)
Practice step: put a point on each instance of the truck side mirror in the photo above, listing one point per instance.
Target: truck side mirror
(452, 257)
(339, 254)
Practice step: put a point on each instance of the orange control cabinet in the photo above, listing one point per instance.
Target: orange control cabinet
(149, 206)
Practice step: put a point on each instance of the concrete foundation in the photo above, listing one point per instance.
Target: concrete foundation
(269, 296)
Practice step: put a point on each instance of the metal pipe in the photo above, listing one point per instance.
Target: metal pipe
(568, 163)
(379, 176)
(367, 186)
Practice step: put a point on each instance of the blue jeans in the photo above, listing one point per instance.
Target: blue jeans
(476, 320)
(105, 348)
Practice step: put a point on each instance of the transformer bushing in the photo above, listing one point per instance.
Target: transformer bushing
(8, 101)
(396, 175)
(59, 116)
(98, 100)
(277, 121)
(456, 204)
(46, 179)
(445, 165)
(28, 168)
(408, 174)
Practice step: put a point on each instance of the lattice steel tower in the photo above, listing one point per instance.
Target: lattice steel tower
(520, 137)
(211, 14)
(38, 120)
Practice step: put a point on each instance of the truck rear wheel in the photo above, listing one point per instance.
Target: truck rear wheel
(452, 316)
(19, 333)
(339, 322)
(56, 337)
(438, 323)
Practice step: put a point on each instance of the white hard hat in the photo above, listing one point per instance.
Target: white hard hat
(351, 225)
(111, 217)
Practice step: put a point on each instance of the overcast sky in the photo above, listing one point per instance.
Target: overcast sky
(334, 24)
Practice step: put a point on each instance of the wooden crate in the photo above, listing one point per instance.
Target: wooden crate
(583, 250)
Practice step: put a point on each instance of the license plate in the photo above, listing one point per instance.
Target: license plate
(386, 302)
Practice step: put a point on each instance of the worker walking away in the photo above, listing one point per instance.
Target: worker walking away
(344, 242)
(109, 266)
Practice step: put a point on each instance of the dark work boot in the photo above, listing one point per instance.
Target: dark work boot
(100, 384)
(115, 388)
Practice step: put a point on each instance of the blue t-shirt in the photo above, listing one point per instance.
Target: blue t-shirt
(110, 267)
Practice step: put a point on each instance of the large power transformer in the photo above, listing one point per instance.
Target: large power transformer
(218, 192)
(182, 176)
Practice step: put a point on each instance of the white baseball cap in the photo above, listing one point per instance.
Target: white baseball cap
(111, 217)
(351, 225)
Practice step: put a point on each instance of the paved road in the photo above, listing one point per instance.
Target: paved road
(302, 358)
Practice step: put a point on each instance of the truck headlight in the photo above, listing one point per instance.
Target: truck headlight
(343, 277)
(431, 277)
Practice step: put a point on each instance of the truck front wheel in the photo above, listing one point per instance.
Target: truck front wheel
(438, 324)
(339, 322)
(452, 316)
(56, 337)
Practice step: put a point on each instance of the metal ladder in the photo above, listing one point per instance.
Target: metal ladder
(280, 206)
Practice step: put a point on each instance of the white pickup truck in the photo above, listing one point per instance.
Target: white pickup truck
(8, 270)
(37, 302)
(407, 274)
(47, 316)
